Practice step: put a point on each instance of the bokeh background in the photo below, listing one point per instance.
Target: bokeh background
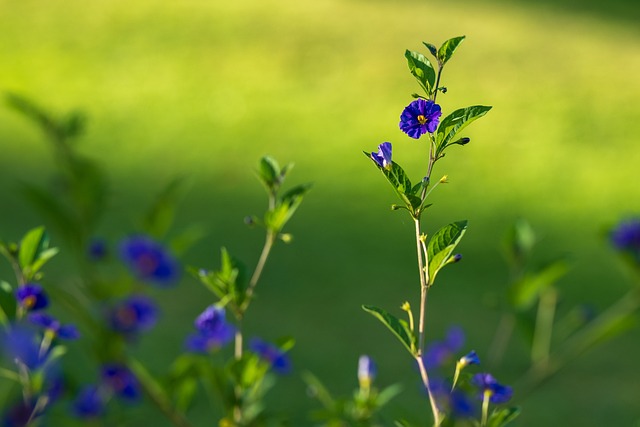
(204, 88)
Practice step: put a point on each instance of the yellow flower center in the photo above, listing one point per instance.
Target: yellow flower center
(422, 119)
(29, 302)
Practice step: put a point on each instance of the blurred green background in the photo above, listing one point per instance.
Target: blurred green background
(203, 89)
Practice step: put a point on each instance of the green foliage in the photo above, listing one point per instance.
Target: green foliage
(525, 292)
(441, 246)
(398, 327)
(447, 49)
(503, 416)
(454, 123)
(422, 70)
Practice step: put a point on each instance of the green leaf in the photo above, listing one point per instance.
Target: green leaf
(318, 390)
(31, 245)
(421, 69)
(451, 125)
(43, 257)
(398, 327)
(448, 48)
(442, 244)
(432, 49)
(502, 417)
(161, 213)
(269, 172)
(525, 292)
(7, 303)
(276, 218)
(387, 394)
(401, 184)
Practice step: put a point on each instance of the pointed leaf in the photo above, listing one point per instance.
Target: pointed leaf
(448, 48)
(432, 49)
(451, 125)
(34, 242)
(442, 244)
(524, 293)
(399, 327)
(421, 69)
(400, 182)
(276, 218)
(502, 417)
(268, 172)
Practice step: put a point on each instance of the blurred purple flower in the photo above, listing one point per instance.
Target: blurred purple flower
(491, 389)
(149, 261)
(22, 345)
(32, 297)
(133, 315)
(366, 371)
(89, 403)
(383, 157)
(97, 249)
(51, 324)
(278, 359)
(441, 352)
(626, 237)
(469, 359)
(420, 117)
(213, 331)
(121, 381)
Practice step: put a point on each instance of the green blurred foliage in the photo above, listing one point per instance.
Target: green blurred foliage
(203, 89)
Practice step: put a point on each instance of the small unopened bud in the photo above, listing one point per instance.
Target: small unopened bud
(463, 141)
(366, 371)
(442, 89)
(456, 258)
(249, 220)
(444, 179)
(406, 306)
(286, 237)
(415, 95)
(395, 207)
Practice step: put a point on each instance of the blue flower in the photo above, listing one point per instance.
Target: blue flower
(469, 359)
(420, 117)
(89, 403)
(32, 297)
(366, 371)
(491, 389)
(626, 237)
(121, 381)
(278, 359)
(23, 346)
(213, 331)
(54, 327)
(441, 352)
(149, 261)
(97, 249)
(135, 314)
(383, 157)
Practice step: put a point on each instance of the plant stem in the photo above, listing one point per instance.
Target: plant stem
(423, 285)
(432, 400)
(544, 328)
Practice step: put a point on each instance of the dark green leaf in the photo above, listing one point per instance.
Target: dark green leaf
(442, 244)
(7, 303)
(448, 48)
(399, 327)
(451, 125)
(161, 213)
(421, 69)
(400, 182)
(502, 417)
(268, 172)
(432, 49)
(525, 292)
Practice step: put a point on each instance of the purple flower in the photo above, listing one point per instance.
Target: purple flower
(491, 389)
(52, 325)
(213, 331)
(441, 352)
(469, 359)
(135, 314)
(626, 237)
(89, 403)
(97, 249)
(149, 261)
(383, 157)
(121, 381)
(420, 117)
(23, 346)
(366, 371)
(32, 297)
(271, 354)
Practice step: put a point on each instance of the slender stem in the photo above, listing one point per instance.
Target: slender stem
(435, 89)
(544, 328)
(425, 380)
(486, 396)
(423, 285)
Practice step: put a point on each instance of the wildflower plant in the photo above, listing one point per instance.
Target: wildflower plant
(424, 120)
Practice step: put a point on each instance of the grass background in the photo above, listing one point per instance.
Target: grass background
(204, 88)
